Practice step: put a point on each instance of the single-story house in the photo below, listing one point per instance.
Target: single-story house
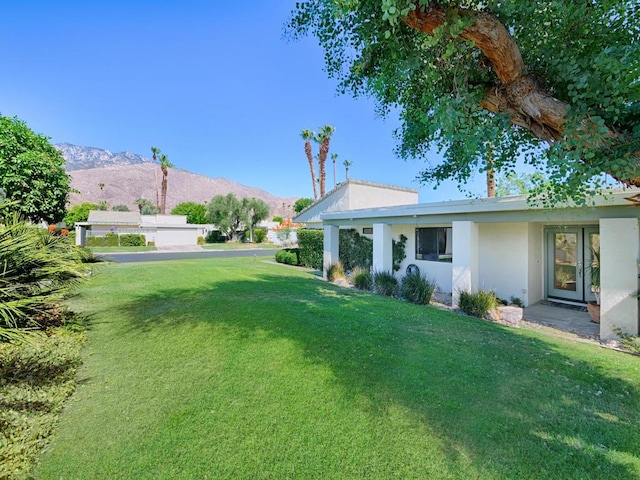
(163, 230)
(516, 249)
(355, 194)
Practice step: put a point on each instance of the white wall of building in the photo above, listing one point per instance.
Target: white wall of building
(503, 260)
(368, 196)
(535, 268)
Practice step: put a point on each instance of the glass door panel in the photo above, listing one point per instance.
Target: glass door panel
(565, 264)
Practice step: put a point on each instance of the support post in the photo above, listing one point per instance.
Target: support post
(465, 259)
(382, 247)
(331, 247)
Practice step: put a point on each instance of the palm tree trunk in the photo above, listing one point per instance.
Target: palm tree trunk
(165, 173)
(322, 161)
(309, 153)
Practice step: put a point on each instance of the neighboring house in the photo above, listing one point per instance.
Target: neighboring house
(355, 194)
(506, 245)
(163, 230)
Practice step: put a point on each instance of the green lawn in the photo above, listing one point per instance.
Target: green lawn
(242, 369)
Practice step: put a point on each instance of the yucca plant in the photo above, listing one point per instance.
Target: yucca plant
(415, 288)
(361, 278)
(36, 271)
(335, 271)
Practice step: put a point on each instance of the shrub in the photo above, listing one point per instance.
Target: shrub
(384, 283)
(335, 271)
(259, 234)
(215, 236)
(277, 219)
(516, 301)
(355, 250)
(287, 257)
(311, 245)
(132, 240)
(417, 289)
(398, 251)
(478, 304)
(200, 241)
(361, 278)
(628, 342)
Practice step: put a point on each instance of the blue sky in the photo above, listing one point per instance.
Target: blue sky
(212, 84)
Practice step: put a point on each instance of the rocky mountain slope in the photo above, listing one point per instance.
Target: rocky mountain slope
(119, 179)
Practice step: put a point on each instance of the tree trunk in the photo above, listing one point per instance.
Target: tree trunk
(518, 94)
(322, 161)
(165, 173)
(309, 153)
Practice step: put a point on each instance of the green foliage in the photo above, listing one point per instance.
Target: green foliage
(335, 271)
(478, 304)
(32, 173)
(103, 205)
(385, 283)
(277, 219)
(301, 204)
(514, 183)
(585, 54)
(287, 257)
(38, 270)
(79, 213)
(120, 208)
(108, 240)
(416, 288)
(215, 236)
(149, 209)
(142, 203)
(362, 279)
(311, 245)
(398, 251)
(259, 235)
(630, 343)
(227, 213)
(195, 212)
(517, 301)
(355, 250)
(201, 240)
(132, 240)
(257, 211)
(36, 376)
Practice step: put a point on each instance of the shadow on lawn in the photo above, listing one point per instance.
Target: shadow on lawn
(513, 403)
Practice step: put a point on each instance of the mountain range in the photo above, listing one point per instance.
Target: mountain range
(121, 178)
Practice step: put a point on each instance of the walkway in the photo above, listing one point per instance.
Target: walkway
(564, 318)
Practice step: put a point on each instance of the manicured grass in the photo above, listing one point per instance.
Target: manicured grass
(238, 246)
(242, 369)
(122, 249)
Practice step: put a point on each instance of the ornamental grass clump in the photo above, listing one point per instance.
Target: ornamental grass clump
(416, 288)
(384, 283)
(478, 304)
(335, 271)
(361, 278)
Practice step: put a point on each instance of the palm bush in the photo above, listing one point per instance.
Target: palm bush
(361, 278)
(417, 289)
(37, 270)
(384, 283)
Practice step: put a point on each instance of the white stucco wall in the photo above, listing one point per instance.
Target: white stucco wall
(164, 237)
(503, 260)
(535, 273)
(369, 196)
(438, 271)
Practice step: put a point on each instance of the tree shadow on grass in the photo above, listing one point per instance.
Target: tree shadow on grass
(514, 402)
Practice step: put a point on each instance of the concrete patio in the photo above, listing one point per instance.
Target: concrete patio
(564, 318)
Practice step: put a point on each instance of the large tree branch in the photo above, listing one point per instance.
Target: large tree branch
(518, 95)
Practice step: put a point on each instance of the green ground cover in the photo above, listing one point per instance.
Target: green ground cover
(242, 369)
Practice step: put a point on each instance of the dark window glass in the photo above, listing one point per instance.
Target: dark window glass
(434, 243)
(367, 230)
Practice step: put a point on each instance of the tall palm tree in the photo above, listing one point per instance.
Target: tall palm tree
(155, 151)
(323, 138)
(165, 165)
(491, 176)
(334, 157)
(307, 136)
(347, 164)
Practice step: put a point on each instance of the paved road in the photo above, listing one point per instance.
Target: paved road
(162, 256)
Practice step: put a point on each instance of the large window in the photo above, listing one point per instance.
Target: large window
(434, 243)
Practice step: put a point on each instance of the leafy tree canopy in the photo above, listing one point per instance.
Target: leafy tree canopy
(517, 183)
(301, 204)
(32, 172)
(120, 208)
(228, 213)
(79, 213)
(556, 83)
(195, 212)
